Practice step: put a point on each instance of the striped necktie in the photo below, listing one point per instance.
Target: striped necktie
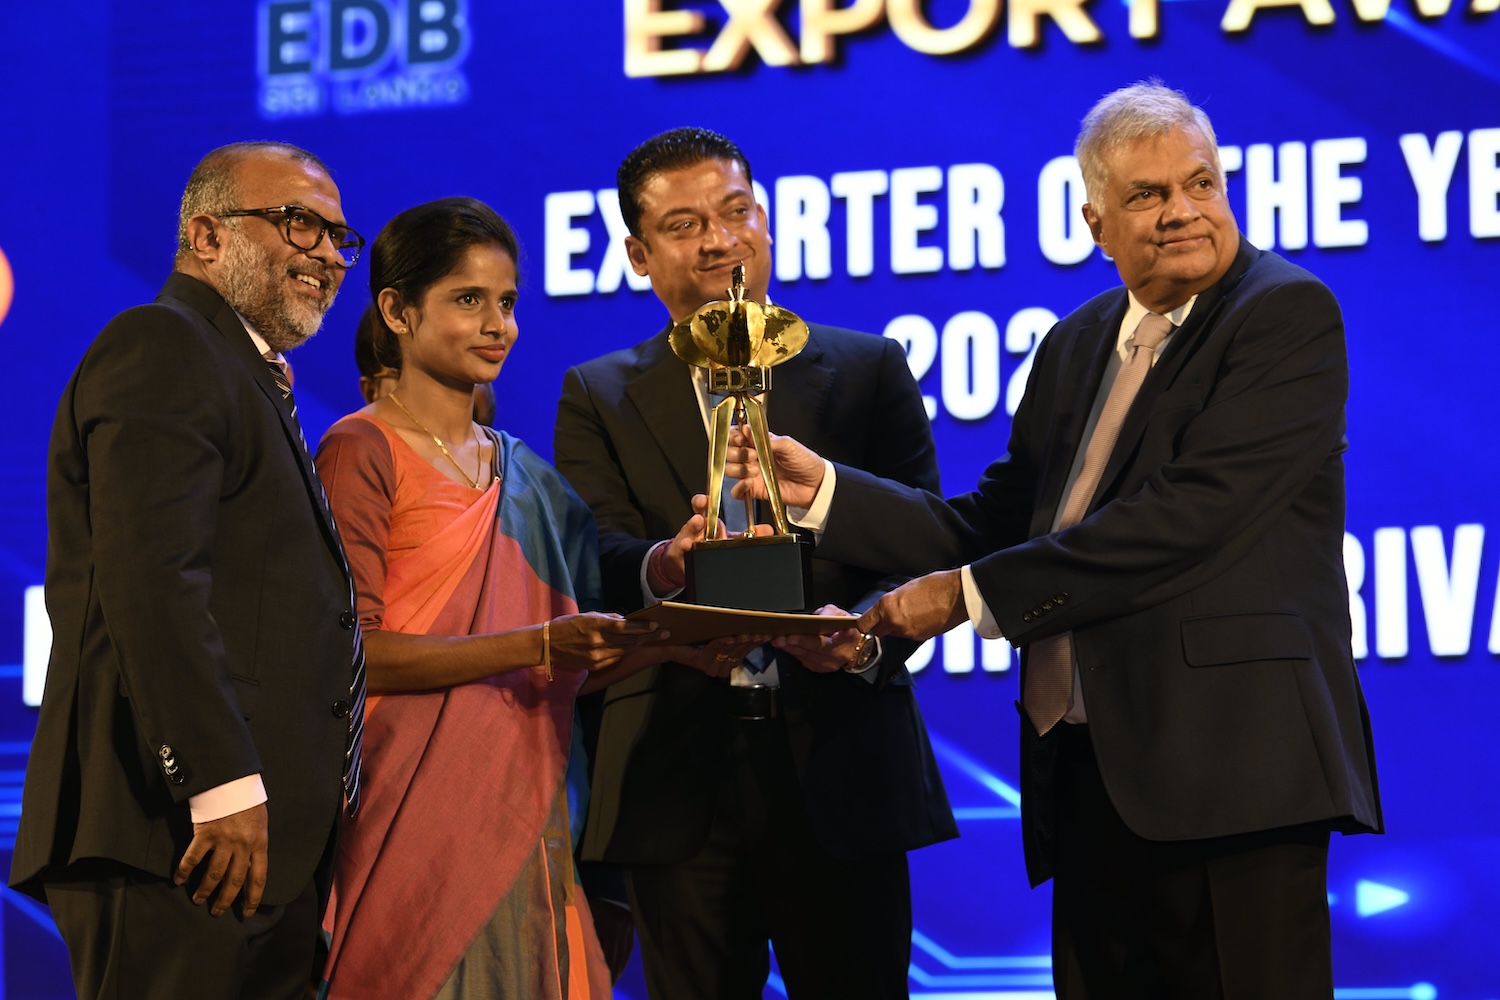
(1047, 685)
(357, 685)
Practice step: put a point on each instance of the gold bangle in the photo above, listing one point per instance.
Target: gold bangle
(547, 648)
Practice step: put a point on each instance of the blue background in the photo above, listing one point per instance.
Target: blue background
(107, 106)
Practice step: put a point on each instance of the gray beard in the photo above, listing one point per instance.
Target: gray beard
(251, 283)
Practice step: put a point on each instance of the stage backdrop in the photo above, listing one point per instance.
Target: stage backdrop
(914, 160)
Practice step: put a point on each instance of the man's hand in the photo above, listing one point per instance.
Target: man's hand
(717, 657)
(919, 609)
(616, 932)
(799, 469)
(667, 570)
(236, 849)
(823, 654)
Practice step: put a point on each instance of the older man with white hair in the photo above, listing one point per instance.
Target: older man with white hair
(1164, 540)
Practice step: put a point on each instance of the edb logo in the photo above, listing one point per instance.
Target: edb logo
(360, 55)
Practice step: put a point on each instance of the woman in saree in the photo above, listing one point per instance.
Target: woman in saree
(472, 559)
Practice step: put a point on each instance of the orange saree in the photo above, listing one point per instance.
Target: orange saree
(455, 878)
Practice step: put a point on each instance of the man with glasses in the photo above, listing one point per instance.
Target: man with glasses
(198, 733)
(775, 806)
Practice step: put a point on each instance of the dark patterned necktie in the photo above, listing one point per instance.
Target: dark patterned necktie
(1047, 686)
(357, 685)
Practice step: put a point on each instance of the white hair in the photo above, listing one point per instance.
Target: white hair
(1142, 110)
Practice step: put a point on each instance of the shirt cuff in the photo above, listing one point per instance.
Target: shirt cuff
(815, 518)
(650, 596)
(227, 799)
(979, 612)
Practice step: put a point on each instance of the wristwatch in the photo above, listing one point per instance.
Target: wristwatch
(865, 654)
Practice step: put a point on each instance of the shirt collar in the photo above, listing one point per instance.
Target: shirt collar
(261, 347)
(1137, 312)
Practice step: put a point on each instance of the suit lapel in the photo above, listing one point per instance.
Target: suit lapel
(1185, 343)
(798, 400)
(1084, 367)
(662, 392)
(242, 347)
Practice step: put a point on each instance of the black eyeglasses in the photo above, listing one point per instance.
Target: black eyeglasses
(304, 229)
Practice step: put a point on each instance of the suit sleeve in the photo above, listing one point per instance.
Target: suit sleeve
(1268, 425)
(152, 410)
(899, 450)
(587, 459)
(901, 446)
(887, 524)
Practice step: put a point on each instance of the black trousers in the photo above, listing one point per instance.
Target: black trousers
(840, 928)
(1229, 918)
(135, 936)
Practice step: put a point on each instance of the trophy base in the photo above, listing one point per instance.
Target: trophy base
(769, 573)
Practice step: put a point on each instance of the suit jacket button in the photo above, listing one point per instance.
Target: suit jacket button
(1027, 616)
(340, 709)
(165, 752)
(1061, 598)
(347, 619)
(176, 777)
(1047, 605)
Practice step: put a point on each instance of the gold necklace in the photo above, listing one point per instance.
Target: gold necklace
(479, 448)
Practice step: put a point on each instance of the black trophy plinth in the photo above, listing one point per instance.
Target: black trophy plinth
(769, 573)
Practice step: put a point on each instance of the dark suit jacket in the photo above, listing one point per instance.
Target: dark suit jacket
(630, 438)
(1205, 589)
(199, 605)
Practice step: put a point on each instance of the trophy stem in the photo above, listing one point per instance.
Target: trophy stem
(718, 454)
(759, 432)
(749, 501)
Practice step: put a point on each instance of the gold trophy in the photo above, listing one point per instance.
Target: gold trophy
(738, 342)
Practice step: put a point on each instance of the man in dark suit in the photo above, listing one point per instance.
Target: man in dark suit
(778, 805)
(1164, 539)
(184, 786)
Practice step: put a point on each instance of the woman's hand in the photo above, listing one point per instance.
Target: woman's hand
(595, 641)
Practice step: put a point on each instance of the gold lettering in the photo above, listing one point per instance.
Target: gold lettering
(821, 21)
(646, 24)
(1241, 12)
(751, 23)
(1143, 15)
(1375, 10)
(910, 25)
(1024, 23)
